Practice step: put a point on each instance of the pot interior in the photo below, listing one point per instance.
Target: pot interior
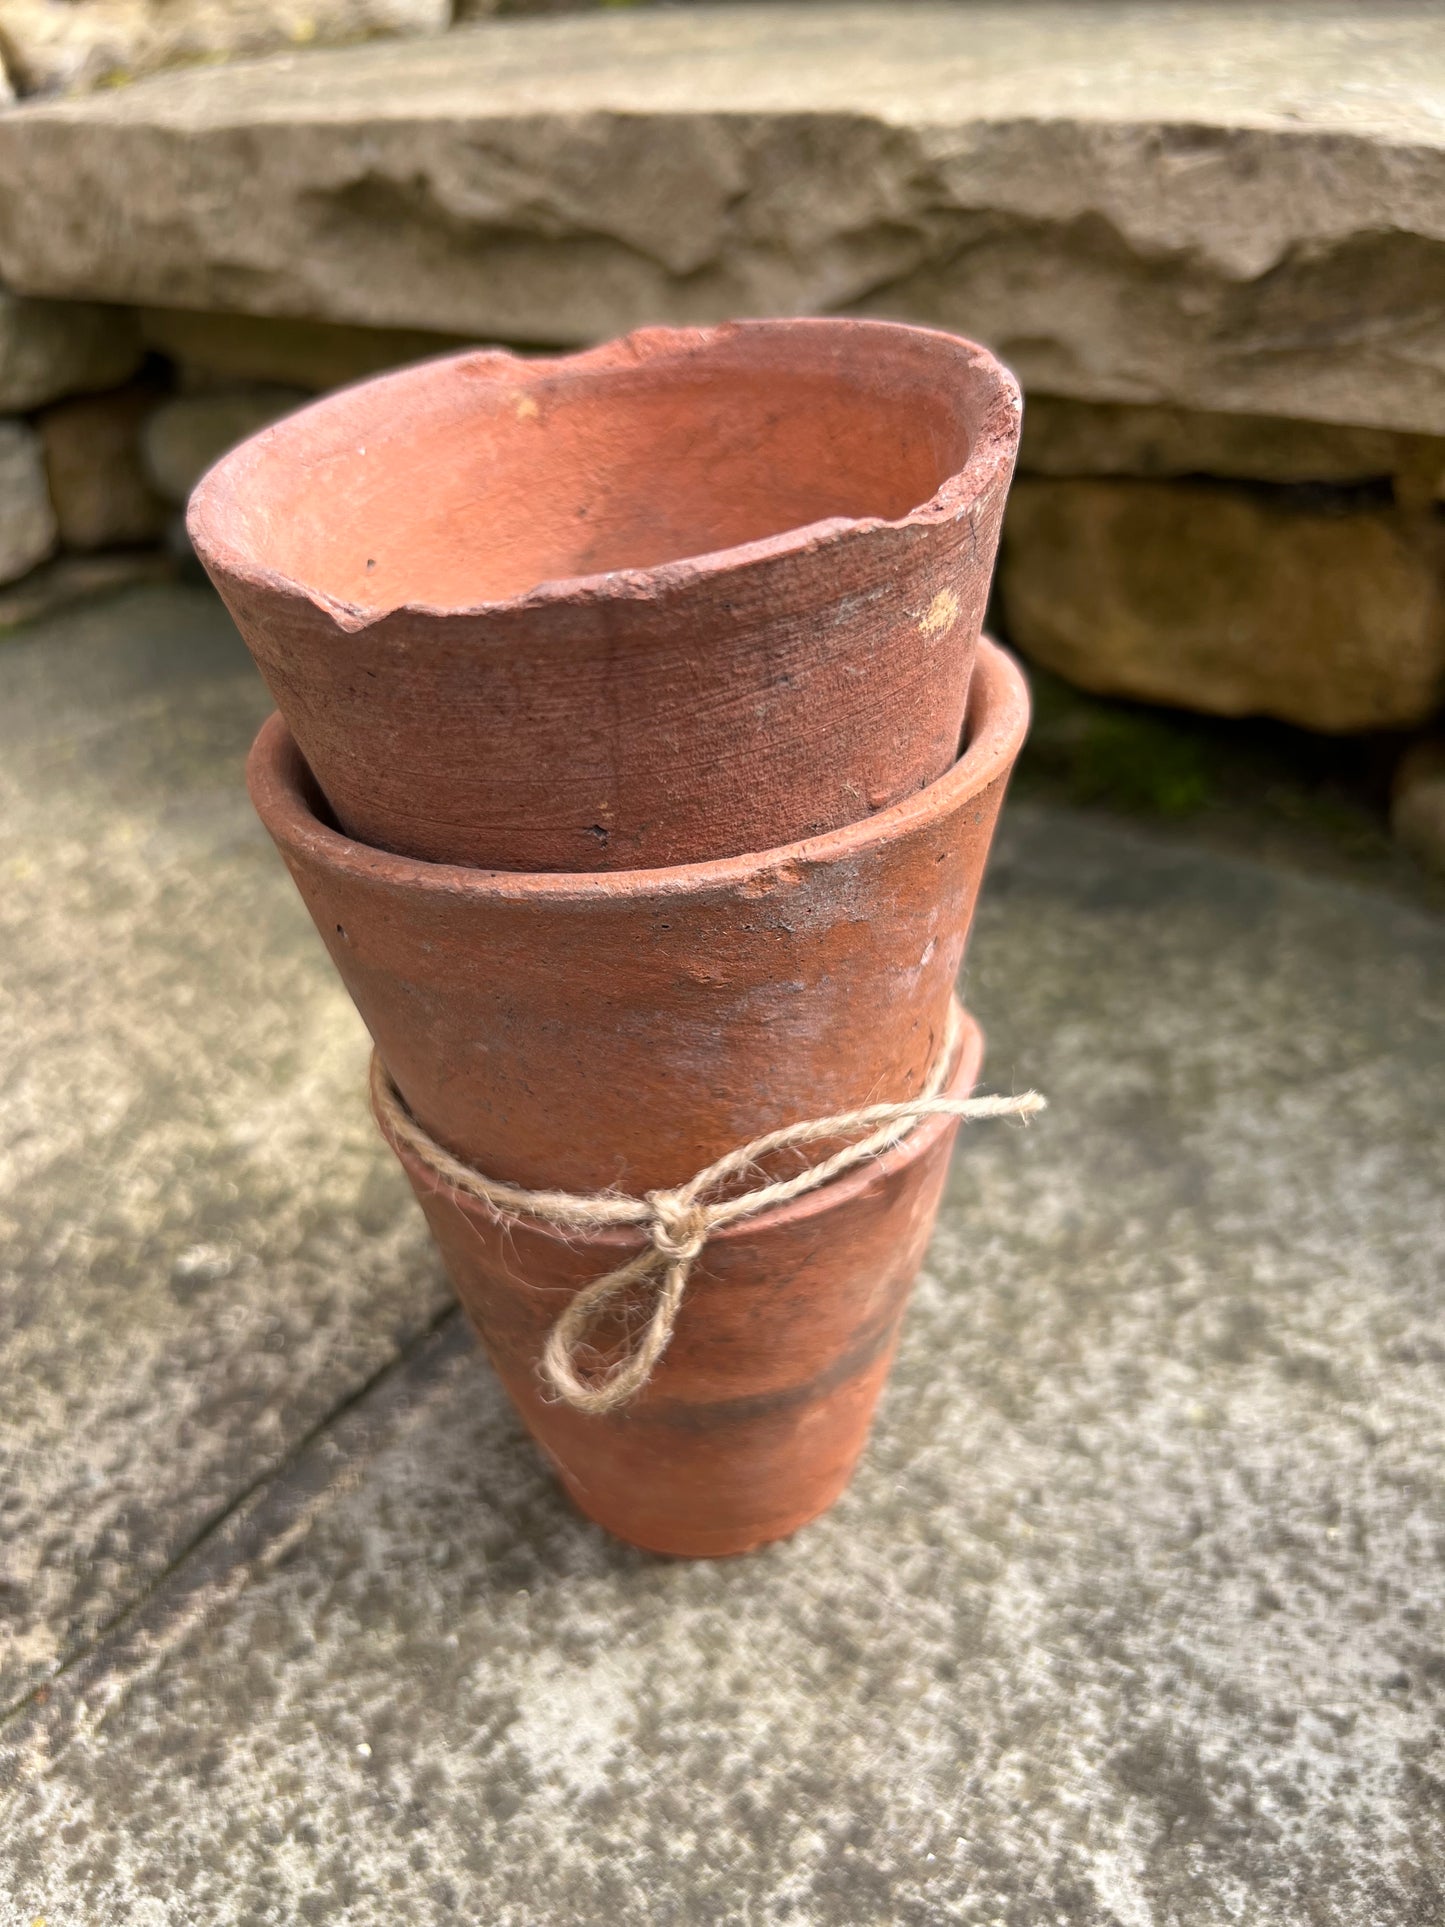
(481, 477)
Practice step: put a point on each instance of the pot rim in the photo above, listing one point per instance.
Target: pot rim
(210, 517)
(851, 1184)
(996, 722)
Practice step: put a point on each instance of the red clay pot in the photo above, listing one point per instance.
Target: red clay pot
(755, 1418)
(697, 592)
(627, 1029)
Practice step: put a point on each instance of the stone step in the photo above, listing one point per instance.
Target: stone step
(1206, 206)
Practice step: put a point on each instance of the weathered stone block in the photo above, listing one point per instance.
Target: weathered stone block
(184, 435)
(27, 520)
(226, 348)
(1228, 600)
(1215, 208)
(72, 48)
(54, 348)
(98, 486)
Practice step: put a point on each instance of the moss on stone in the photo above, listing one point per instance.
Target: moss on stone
(1115, 754)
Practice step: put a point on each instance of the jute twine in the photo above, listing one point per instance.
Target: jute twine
(678, 1222)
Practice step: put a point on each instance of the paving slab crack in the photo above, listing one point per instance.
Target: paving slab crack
(257, 1529)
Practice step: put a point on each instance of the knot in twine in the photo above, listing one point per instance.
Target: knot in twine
(678, 1222)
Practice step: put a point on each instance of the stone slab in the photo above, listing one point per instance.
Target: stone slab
(201, 1254)
(1132, 1617)
(108, 43)
(1211, 207)
(1069, 439)
(220, 349)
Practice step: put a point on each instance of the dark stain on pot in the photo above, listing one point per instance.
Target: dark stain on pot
(672, 1416)
(759, 1409)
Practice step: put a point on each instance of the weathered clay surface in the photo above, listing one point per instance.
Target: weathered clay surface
(1215, 207)
(754, 1418)
(1227, 600)
(201, 1253)
(106, 43)
(27, 520)
(631, 1027)
(694, 593)
(1073, 438)
(1132, 1614)
(100, 492)
(187, 433)
(212, 349)
(54, 348)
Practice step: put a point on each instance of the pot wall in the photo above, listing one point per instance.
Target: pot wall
(758, 1410)
(627, 1029)
(698, 592)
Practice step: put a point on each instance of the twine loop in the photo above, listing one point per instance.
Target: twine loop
(677, 1223)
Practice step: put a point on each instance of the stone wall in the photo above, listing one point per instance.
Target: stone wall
(1235, 565)
(1241, 566)
(1224, 500)
(1231, 564)
(109, 415)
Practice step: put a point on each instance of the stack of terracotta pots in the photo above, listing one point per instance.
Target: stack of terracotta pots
(638, 759)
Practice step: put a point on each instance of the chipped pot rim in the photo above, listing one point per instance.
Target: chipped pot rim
(216, 501)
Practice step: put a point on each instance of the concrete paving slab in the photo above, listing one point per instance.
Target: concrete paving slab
(1132, 1617)
(202, 1254)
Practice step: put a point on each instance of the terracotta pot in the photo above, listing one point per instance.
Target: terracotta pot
(755, 1417)
(697, 592)
(629, 1028)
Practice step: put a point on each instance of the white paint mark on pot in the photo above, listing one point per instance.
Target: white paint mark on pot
(940, 615)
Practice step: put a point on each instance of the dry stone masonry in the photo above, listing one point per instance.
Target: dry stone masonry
(188, 432)
(1228, 600)
(27, 525)
(1212, 247)
(54, 348)
(99, 488)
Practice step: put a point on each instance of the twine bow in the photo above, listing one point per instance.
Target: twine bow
(678, 1222)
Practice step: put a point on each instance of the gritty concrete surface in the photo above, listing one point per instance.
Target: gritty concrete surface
(1132, 1617)
(201, 1253)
